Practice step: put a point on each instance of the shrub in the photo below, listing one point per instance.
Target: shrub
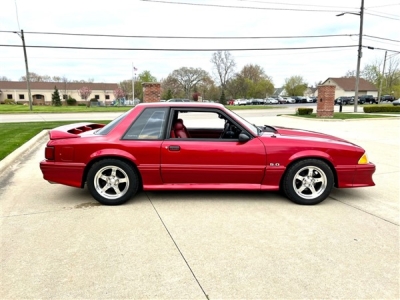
(381, 108)
(9, 101)
(304, 111)
(71, 101)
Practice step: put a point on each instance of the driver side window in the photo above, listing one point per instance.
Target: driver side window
(202, 125)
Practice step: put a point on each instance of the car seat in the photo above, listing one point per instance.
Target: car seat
(179, 130)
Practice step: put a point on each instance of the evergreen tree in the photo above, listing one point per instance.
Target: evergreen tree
(222, 99)
(169, 95)
(55, 97)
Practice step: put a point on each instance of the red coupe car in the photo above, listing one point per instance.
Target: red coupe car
(200, 146)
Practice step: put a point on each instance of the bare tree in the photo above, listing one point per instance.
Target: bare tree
(4, 78)
(33, 77)
(65, 81)
(224, 66)
(187, 78)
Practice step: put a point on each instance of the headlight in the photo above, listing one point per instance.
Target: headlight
(363, 159)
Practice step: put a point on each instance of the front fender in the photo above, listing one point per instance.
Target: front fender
(309, 154)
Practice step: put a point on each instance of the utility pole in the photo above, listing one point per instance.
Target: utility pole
(383, 76)
(359, 55)
(27, 70)
(133, 82)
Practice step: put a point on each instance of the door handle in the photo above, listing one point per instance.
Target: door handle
(174, 148)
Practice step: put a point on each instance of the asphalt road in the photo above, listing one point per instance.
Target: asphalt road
(57, 242)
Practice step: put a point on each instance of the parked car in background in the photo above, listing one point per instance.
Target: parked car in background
(298, 99)
(387, 98)
(367, 99)
(271, 101)
(175, 100)
(167, 146)
(289, 100)
(281, 100)
(257, 101)
(241, 102)
(309, 100)
(344, 100)
(396, 102)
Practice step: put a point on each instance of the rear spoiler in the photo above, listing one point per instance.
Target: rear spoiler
(72, 130)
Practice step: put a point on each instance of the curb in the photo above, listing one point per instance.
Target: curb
(7, 162)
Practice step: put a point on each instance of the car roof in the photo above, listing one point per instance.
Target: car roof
(182, 104)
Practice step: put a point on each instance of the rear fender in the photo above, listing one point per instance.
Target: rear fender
(112, 153)
(107, 153)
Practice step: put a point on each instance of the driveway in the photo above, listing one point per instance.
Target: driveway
(57, 242)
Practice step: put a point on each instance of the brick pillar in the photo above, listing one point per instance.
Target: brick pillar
(151, 91)
(325, 101)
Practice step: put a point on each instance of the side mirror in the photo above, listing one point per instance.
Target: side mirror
(244, 137)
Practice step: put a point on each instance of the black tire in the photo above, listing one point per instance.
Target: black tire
(308, 182)
(112, 181)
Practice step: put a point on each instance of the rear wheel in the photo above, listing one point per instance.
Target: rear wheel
(308, 182)
(112, 181)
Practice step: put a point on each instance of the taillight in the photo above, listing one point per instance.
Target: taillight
(49, 153)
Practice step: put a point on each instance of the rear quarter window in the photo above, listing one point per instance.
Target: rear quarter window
(150, 125)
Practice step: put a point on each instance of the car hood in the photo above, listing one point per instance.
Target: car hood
(305, 134)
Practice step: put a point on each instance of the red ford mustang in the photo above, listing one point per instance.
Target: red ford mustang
(200, 146)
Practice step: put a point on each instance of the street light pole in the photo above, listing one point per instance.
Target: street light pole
(359, 55)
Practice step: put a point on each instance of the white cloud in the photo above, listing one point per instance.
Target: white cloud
(157, 19)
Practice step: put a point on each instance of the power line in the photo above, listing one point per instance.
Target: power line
(385, 5)
(296, 4)
(245, 7)
(376, 37)
(186, 37)
(176, 49)
(199, 37)
(381, 49)
(385, 17)
(382, 13)
(180, 57)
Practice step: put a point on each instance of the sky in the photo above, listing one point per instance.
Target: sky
(249, 25)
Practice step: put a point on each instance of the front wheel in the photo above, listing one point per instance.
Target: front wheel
(112, 181)
(308, 182)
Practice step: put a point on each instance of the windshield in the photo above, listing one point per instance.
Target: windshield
(254, 129)
(106, 129)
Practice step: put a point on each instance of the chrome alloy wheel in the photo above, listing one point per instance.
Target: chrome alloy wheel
(111, 182)
(309, 182)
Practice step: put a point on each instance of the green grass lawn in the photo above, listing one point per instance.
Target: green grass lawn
(341, 116)
(14, 135)
(18, 109)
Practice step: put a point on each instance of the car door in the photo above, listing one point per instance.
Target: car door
(212, 161)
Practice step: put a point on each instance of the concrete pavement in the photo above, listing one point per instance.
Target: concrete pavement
(57, 242)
